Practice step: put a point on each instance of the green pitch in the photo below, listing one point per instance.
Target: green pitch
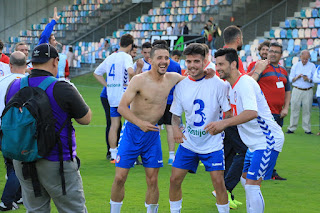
(299, 163)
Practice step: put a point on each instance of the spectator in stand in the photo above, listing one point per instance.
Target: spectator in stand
(184, 28)
(263, 52)
(302, 94)
(3, 58)
(143, 65)
(316, 79)
(176, 29)
(273, 79)
(169, 28)
(212, 34)
(71, 57)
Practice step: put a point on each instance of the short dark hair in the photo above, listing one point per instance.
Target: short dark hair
(231, 33)
(126, 40)
(206, 48)
(230, 54)
(19, 44)
(134, 46)
(21, 61)
(1, 45)
(276, 44)
(156, 42)
(146, 45)
(158, 47)
(70, 49)
(265, 43)
(195, 49)
(176, 52)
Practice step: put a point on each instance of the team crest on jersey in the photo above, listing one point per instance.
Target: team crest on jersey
(235, 96)
(118, 159)
(1, 73)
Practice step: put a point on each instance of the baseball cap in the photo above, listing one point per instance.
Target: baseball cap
(43, 53)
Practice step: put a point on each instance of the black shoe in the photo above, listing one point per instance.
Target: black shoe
(309, 133)
(137, 162)
(277, 177)
(13, 206)
(289, 132)
(108, 157)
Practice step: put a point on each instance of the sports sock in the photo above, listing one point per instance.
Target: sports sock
(243, 182)
(175, 206)
(254, 199)
(171, 155)
(115, 207)
(113, 152)
(223, 208)
(152, 208)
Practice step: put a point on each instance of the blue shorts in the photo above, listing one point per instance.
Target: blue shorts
(114, 112)
(135, 142)
(187, 159)
(260, 163)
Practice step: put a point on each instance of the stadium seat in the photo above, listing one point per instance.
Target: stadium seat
(303, 13)
(314, 13)
(295, 33)
(308, 12)
(301, 33)
(283, 33)
(311, 22)
(305, 23)
(307, 33)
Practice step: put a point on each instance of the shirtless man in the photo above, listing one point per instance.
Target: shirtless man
(147, 96)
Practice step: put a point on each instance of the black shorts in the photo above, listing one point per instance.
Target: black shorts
(166, 118)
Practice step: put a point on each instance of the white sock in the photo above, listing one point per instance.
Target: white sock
(175, 206)
(223, 208)
(152, 208)
(254, 198)
(113, 152)
(243, 182)
(171, 155)
(115, 207)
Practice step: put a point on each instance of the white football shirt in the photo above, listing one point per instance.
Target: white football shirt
(116, 66)
(202, 102)
(262, 132)
(4, 83)
(146, 66)
(4, 69)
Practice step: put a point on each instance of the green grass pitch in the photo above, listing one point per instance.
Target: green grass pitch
(299, 162)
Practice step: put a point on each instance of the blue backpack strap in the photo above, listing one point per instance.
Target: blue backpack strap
(47, 82)
(24, 82)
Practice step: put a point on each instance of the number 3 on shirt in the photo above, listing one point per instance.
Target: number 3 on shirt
(111, 72)
(199, 111)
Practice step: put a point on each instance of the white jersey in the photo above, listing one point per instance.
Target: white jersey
(116, 66)
(210, 65)
(4, 69)
(4, 83)
(146, 66)
(262, 132)
(202, 102)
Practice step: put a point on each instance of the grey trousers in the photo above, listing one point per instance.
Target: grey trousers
(50, 183)
(298, 98)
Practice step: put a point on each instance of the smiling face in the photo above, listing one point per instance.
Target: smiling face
(224, 67)
(264, 52)
(195, 64)
(160, 60)
(274, 54)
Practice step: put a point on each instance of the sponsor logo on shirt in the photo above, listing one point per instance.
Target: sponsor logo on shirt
(216, 164)
(196, 132)
(113, 85)
(251, 173)
(160, 161)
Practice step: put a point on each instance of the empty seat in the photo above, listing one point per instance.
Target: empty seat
(301, 33)
(283, 33)
(311, 22)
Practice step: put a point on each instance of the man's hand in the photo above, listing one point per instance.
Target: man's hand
(305, 78)
(209, 72)
(215, 127)
(284, 113)
(178, 135)
(55, 14)
(140, 63)
(261, 66)
(147, 126)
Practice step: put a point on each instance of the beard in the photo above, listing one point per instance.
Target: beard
(239, 47)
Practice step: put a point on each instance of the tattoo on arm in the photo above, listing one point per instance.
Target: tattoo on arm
(175, 120)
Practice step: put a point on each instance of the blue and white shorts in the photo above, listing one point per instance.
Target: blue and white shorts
(187, 159)
(135, 142)
(114, 112)
(260, 163)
